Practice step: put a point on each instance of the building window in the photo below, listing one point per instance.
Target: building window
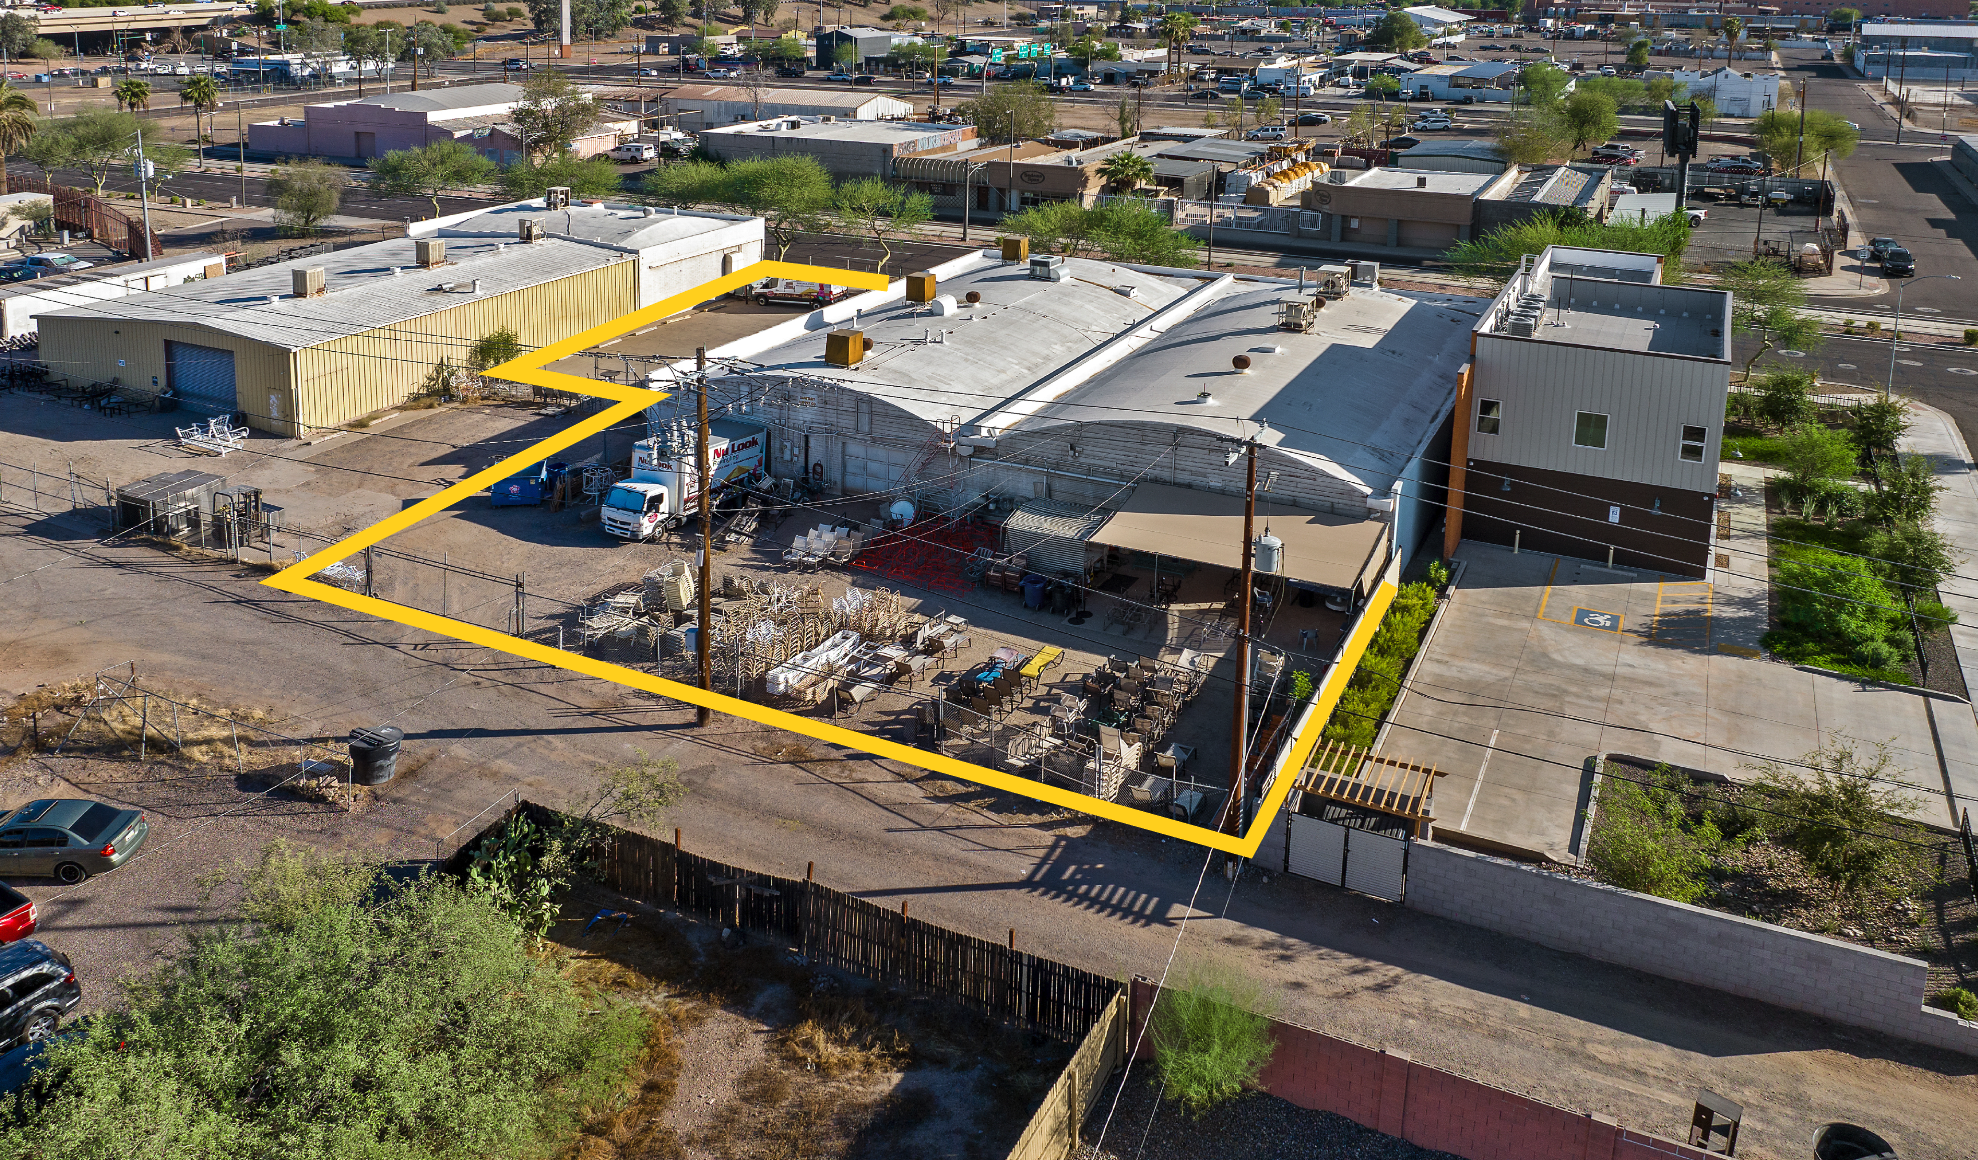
(1590, 430)
(1489, 413)
(1694, 439)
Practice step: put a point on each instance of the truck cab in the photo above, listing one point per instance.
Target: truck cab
(635, 509)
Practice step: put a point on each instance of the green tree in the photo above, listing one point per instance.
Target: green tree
(1918, 557)
(1542, 84)
(1126, 171)
(1268, 110)
(1880, 424)
(428, 45)
(1588, 118)
(1212, 1036)
(493, 349)
(1396, 32)
(17, 125)
(1644, 839)
(1019, 111)
(1778, 133)
(1383, 86)
(1530, 137)
(1638, 53)
(905, 14)
(306, 193)
(1837, 810)
(1126, 118)
(600, 18)
(1768, 301)
(132, 94)
(585, 177)
(1836, 601)
(341, 1015)
(846, 56)
(1908, 491)
(1733, 31)
(428, 171)
(1785, 397)
(877, 209)
(17, 35)
(552, 113)
(791, 194)
(98, 141)
(48, 50)
(1847, 17)
(1498, 252)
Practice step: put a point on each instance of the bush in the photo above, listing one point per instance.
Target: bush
(1970, 339)
(1643, 839)
(1836, 811)
(1210, 1038)
(1874, 326)
(1785, 398)
(408, 1021)
(1377, 680)
(1957, 1001)
(1832, 602)
(517, 13)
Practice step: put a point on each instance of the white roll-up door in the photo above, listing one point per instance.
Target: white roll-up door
(1316, 849)
(201, 376)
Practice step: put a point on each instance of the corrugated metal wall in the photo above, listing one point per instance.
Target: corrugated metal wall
(85, 350)
(1646, 398)
(337, 381)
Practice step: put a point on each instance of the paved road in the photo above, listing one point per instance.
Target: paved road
(1897, 192)
(1944, 376)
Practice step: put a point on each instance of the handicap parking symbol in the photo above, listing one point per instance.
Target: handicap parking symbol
(1594, 618)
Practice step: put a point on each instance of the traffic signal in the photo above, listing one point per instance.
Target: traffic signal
(1680, 127)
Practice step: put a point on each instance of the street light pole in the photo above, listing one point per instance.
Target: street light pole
(1895, 333)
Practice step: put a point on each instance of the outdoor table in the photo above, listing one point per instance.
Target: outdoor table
(1184, 805)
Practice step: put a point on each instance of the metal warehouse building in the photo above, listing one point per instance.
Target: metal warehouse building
(318, 341)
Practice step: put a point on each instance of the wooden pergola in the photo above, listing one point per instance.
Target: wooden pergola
(1351, 775)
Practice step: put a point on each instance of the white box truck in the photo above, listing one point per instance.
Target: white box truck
(661, 494)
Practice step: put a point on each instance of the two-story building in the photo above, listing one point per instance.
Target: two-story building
(1591, 416)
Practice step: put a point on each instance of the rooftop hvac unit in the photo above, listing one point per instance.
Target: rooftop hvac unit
(1520, 326)
(1048, 268)
(845, 348)
(430, 252)
(529, 229)
(308, 282)
(556, 197)
(1368, 272)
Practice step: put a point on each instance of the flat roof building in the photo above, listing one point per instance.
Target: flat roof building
(1592, 422)
(709, 106)
(844, 148)
(318, 341)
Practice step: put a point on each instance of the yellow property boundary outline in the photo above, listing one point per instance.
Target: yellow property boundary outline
(630, 401)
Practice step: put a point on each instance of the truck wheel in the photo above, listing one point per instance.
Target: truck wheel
(762, 300)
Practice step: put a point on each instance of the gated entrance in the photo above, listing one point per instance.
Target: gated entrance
(1351, 818)
(201, 376)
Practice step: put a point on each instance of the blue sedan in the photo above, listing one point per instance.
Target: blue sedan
(1080, 87)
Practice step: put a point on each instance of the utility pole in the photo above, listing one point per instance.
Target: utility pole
(240, 131)
(702, 638)
(1799, 149)
(1238, 784)
(1902, 92)
(144, 197)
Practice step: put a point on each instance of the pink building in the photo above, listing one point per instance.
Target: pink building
(478, 115)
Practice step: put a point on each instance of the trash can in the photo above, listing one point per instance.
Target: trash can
(374, 754)
(1033, 587)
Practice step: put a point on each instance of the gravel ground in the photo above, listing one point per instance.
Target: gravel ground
(1255, 1127)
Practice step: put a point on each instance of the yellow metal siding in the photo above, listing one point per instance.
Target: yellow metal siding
(348, 377)
(337, 381)
(85, 350)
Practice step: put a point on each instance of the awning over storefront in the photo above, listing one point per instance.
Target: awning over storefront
(1207, 528)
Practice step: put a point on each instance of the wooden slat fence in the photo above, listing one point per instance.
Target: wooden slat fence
(838, 930)
(1053, 1132)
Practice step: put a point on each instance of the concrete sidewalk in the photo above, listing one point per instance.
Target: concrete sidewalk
(1935, 434)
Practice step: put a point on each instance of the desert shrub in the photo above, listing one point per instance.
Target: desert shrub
(1645, 840)
(1957, 1000)
(1377, 681)
(1971, 336)
(408, 1021)
(1830, 607)
(1836, 813)
(1211, 1037)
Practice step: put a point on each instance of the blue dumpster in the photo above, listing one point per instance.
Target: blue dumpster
(529, 486)
(1033, 587)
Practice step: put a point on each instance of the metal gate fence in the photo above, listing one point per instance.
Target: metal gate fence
(1338, 855)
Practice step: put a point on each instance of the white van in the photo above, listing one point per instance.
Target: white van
(634, 151)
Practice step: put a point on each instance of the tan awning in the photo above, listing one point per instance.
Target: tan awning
(1208, 528)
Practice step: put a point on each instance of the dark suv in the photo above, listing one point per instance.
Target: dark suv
(1898, 263)
(37, 988)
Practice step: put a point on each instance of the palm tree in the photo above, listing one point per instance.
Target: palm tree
(1175, 29)
(1126, 170)
(132, 94)
(204, 96)
(17, 111)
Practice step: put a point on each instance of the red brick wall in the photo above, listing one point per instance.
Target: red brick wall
(1429, 1107)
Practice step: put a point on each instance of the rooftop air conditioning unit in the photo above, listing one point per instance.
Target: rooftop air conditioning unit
(1048, 268)
(556, 197)
(308, 282)
(530, 229)
(430, 252)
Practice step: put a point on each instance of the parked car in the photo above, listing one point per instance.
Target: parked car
(789, 70)
(516, 63)
(840, 76)
(1402, 142)
(1879, 246)
(57, 263)
(18, 915)
(1742, 165)
(632, 152)
(1315, 118)
(1432, 123)
(1778, 197)
(943, 82)
(1266, 133)
(865, 79)
(1204, 95)
(10, 274)
(1079, 87)
(1625, 160)
(785, 292)
(720, 74)
(1608, 70)
(1696, 215)
(649, 72)
(1898, 263)
(69, 838)
(37, 987)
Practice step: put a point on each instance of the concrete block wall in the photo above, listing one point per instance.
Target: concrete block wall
(1858, 986)
(1427, 1106)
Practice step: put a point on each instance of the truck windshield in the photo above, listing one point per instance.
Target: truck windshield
(630, 499)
